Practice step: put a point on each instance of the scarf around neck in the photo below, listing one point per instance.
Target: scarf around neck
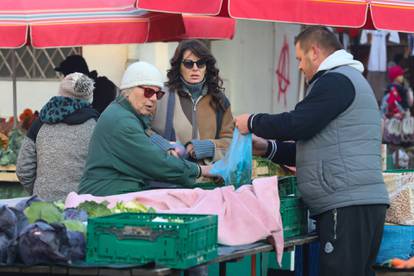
(59, 107)
(194, 89)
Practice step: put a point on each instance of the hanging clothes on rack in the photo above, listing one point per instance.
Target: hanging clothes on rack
(410, 38)
(377, 61)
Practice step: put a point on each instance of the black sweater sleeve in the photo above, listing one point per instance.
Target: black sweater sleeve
(331, 95)
(281, 152)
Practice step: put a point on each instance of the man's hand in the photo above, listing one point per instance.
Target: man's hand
(259, 145)
(241, 123)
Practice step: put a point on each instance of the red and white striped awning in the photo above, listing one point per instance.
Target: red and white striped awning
(385, 14)
(59, 23)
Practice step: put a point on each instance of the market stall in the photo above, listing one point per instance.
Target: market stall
(106, 250)
(223, 259)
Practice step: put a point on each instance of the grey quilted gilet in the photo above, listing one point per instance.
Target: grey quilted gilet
(341, 165)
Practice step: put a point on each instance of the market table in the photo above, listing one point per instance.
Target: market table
(222, 259)
(10, 186)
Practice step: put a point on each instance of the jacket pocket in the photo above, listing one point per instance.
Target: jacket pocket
(326, 178)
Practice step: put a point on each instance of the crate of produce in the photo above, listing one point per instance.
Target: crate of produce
(263, 167)
(287, 186)
(173, 240)
(294, 216)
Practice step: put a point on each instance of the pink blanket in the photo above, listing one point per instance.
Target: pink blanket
(246, 215)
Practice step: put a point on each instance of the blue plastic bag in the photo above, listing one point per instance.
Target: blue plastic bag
(236, 166)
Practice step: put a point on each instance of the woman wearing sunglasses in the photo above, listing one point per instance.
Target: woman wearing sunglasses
(122, 157)
(195, 113)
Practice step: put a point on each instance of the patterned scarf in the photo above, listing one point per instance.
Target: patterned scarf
(58, 107)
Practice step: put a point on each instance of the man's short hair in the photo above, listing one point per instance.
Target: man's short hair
(319, 35)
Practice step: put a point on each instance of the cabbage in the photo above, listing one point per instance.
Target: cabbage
(41, 243)
(8, 235)
(75, 225)
(43, 211)
(75, 214)
(77, 245)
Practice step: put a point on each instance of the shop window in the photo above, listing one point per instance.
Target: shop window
(34, 64)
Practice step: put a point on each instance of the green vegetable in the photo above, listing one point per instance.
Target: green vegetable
(60, 205)
(132, 206)
(95, 209)
(46, 211)
(75, 225)
(9, 156)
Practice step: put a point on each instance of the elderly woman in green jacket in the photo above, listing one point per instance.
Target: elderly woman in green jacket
(123, 156)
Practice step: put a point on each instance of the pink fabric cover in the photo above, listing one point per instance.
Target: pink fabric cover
(246, 215)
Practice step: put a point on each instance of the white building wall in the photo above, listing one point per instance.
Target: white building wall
(290, 76)
(108, 60)
(248, 65)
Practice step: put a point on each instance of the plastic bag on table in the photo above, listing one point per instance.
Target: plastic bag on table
(236, 166)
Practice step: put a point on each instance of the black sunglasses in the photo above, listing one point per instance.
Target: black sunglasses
(149, 92)
(189, 63)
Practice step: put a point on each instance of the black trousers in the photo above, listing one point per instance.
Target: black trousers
(350, 238)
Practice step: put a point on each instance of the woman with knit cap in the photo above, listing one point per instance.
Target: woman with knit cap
(53, 154)
(196, 113)
(398, 98)
(105, 90)
(122, 156)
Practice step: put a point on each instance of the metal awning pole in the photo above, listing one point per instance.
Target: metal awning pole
(14, 65)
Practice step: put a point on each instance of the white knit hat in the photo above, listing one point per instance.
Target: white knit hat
(141, 73)
(77, 85)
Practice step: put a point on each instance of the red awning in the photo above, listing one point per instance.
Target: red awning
(206, 7)
(208, 27)
(393, 15)
(386, 14)
(202, 19)
(345, 13)
(59, 23)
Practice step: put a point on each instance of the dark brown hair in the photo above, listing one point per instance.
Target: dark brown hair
(319, 35)
(213, 81)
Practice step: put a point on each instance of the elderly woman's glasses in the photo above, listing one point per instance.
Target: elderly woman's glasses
(189, 63)
(149, 92)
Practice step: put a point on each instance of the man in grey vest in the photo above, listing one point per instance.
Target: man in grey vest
(333, 136)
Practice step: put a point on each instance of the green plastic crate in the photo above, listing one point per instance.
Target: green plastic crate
(287, 186)
(12, 190)
(399, 171)
(208, 185)
(294, 216)
(134, 238)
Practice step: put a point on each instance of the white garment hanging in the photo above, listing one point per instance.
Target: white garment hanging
(410, 38)
(378, 53)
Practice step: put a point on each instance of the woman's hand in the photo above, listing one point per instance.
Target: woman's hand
(205, 171)
(173, 152)
(190, 150)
